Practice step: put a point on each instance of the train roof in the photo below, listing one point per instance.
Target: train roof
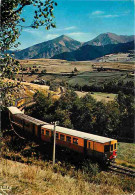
(14, 110)
(80, 134)
(31, 119)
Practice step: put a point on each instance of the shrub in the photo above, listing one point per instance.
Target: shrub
(90, 168)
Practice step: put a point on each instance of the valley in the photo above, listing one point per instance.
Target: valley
(82, 76)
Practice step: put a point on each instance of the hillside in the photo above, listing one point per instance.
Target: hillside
(49, 48)
(109, 38)
(36, 176)
(89, 52)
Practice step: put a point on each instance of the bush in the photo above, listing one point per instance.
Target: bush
(53, 87)
(89, 168)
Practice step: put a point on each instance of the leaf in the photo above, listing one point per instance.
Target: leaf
(23, 20)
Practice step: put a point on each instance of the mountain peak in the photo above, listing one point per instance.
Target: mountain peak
(109, 38)
(64, 37)
(50, 48)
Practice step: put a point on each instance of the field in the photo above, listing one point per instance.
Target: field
(99, 96)
(120, 57)
(85, 71)
(97, 78)
(58, 66)
(126, 154)
(59, 72)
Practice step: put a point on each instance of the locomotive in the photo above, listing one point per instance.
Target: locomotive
(102, 148)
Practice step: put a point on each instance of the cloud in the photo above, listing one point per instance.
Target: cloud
(110, 16)
(97, 13)
(32, 31)
(51, 36)
(81, 36)
(70, 28)
(101, 14)
(64, 29)
(39, 34)
(76, 34)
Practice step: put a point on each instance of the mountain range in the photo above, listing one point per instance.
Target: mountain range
(90, 52)
(64, 47)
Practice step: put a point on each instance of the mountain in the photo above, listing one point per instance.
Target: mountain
(110, 38)
(90, 52)
(49, 48)
(62, 44)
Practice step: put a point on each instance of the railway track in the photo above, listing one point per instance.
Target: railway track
(122, 170)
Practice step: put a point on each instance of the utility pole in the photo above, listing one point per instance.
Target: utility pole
(54, 143)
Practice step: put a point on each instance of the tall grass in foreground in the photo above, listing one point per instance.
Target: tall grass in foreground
(42, 178)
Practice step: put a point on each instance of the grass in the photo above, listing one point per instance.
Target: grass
(36, 176)
(99, 96)
(97, 78)
(126, 154)
(37, 179)
(57, 66)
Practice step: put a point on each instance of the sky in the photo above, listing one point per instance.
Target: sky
(82, 20)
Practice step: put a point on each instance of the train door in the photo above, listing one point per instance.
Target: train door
(85, 146)
(39, 132)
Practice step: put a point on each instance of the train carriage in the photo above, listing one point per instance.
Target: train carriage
(99, 147)
(92, 145)
(27, 124)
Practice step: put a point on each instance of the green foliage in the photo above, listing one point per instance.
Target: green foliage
(53, 86)
(43, 72)
(127, 112)
(12, 22)
(75, 69)
(105, 82)
(89, 168)
(8, 90)
(11, 26)
(87, 115)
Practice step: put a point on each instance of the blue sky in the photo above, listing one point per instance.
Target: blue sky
(82, 20)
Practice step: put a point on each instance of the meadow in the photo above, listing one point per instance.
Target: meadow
(57, 66)
(96, 78)
(126, 154)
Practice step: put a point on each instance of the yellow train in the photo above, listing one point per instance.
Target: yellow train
(20, 102)
(99, 147)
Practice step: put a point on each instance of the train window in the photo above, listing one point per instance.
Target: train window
(19, 121)
(47, 132)
(57, 136)
(27, 124)
(88, 144)
(112, 147)
(42, 131)
(107, 148)
(62, 137)
(68, 139)
(75, 141)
